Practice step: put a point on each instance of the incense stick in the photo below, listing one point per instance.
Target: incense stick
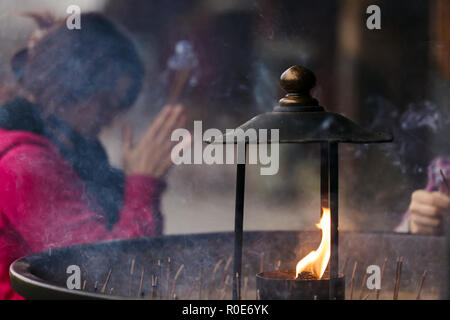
(160, 289)
(445, 180)
(227, 265)
(106, 281)
(224, 288)
(175, 279)
(227, 280)
(223, 294)
(261, 263)
(216, 267)
(141, 282)
(381, 278)
(398, 275)
(168, 279)
(244, 295)
(238, 286)
(278, 266)
(213, 277)
(154, 286)
(84, 285)
(191, 290)
(362, 286)
(225, 268)
(181, 78)
(419, 291)
(355, 265)
(131, 276)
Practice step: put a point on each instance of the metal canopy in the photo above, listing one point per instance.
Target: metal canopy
(309, 127)
(300, 119)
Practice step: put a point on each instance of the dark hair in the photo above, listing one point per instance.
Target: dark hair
(67, 67)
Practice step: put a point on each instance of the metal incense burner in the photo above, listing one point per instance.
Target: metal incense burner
(300, 119)
(105, 266)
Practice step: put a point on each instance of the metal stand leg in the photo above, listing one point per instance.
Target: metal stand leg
(334, 203)
(324, 176)
(238, 230)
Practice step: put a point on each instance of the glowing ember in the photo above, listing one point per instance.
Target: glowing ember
(317, 260)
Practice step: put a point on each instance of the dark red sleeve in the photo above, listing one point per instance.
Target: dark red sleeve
(44, 202)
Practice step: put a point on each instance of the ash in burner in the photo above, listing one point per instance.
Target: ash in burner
(306, 276)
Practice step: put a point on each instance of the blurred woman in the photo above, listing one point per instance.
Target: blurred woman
(57, 187)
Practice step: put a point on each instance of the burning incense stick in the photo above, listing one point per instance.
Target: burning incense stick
(141, 282)
(168, 279)
(181, 78)
(106, 281)
(183, 62)
(419, 291)
(381, 277)
(398, 275)
(175, 279)
(131, 276)
(355, 265)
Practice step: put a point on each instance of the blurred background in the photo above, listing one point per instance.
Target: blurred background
(394, 79)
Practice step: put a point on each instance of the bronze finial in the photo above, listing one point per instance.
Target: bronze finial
(298, 81)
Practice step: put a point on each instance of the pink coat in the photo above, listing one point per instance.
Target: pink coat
(44, 204)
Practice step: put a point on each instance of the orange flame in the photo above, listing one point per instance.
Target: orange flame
(317, 260)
